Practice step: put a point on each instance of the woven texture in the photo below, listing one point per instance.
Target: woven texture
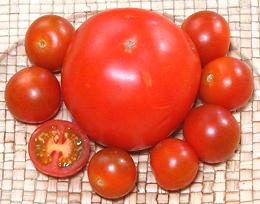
(236, 181)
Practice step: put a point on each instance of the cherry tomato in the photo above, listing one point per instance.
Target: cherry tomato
(58, 148)
(213, 133)
(174, 164)
(33, 95)
(132, 80)
(210, 33)
(47, 40)
(227, 82)
(112, 173)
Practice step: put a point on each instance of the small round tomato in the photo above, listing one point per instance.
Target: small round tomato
(174, 164)
(227, 82)
(58, 148)
(112, 173)
(33, 95)
(210, 33)
(213, 133)
(47, 40)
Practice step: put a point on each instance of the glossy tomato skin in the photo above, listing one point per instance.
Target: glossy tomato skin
(33, 95)
(112, 173)
(58, 148)
(227, 82)
(174, 164)
(131, 85)
(210, 33)
(47, 40)
(213, 133)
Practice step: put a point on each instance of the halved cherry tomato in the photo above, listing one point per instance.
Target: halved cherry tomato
(59, 148)
(210, 33)
(227, 82)
(33, 95)
(174, 164)
(112, 173)
(47, 41)
(213, 133)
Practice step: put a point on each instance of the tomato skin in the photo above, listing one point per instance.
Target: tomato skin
(210, 33)
(47, 40)
(52, 169)
(227, 82)
(131, 81)
(213, 133)
(174, 164)
(112, 173)
(28, 96)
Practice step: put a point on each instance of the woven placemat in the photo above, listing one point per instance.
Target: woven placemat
(236, 181)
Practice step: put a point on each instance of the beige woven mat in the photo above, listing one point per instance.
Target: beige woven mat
(236, 181)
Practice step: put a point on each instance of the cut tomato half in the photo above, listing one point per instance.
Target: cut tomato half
(59, 148)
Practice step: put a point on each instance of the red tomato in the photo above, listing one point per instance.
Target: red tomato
(126, 75)
(33, 95)
(47, 40)
(227, 82)
(213, 132)
(112, 173)
(174, 164)
(210, 33)
(58, 148)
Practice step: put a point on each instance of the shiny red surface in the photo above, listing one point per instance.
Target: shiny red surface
(33, 95)
(227, 82)
(213, 133)
(47, 40)
(210, 33)
(112, 173)
(129, 78)
(174, 164)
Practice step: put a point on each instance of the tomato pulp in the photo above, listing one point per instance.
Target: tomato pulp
(129, 77)
(58, 148)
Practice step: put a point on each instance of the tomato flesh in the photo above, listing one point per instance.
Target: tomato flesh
(58, 148)
(47, 143)
(132, 80)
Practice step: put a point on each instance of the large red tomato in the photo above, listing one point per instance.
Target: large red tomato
(129, 77)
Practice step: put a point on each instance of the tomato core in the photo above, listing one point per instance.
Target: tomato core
(42, 44)
(130, 45)
(210, 78)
